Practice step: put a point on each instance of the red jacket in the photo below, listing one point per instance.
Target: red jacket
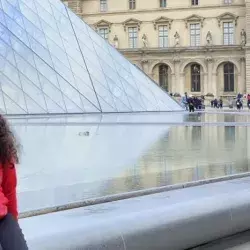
(8, 199)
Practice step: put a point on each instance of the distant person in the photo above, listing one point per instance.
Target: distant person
(195, 101)
(221, 103)
(248, 101)
(199, 103)
(238, 104)
(191, 104)
(11, 237)
(184, 101)
(215, 103)
(212, 103)
(239, 96)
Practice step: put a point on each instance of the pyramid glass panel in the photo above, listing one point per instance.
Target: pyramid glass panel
(53, 62)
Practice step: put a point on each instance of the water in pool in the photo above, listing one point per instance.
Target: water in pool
(68, 159)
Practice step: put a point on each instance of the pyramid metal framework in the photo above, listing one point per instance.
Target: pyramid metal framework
(53, 62)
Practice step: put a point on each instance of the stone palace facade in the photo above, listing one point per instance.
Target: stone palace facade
(197, 46)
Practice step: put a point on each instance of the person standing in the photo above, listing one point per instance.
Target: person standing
(215, 103)
(238, 104)
(11, 236)
(248, 101)
(221, 103)
(199, 103)
(191, 104)
(184, 101)
(212, 103)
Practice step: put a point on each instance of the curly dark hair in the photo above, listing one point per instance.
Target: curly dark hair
(8, 143)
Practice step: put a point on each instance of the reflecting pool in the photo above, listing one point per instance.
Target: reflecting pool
(67, 159)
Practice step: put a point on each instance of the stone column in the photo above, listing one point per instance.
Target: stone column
(243, 75)
(177, 79)
(209, 75)
(181, 86)
(173, 84)
(248, 46)
(248, 70)
(205, 87)
(240, 84)
(145, 66)
(214, 84)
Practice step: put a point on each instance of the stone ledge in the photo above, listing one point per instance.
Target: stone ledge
(177, 219)
(124, 196)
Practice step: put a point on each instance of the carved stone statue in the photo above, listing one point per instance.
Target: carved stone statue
(243, 37)
(116, 42)
(144, 41)
(209, 38)
(177, 39)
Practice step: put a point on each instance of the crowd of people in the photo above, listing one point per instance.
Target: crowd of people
(233, 102)
(192, 103)
(215, 103)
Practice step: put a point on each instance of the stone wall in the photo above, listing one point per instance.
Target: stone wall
(178, 16)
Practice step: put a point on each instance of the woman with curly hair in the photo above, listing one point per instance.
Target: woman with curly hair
(11, 237)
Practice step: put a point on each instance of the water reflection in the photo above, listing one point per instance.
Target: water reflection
(63, 164)
(236, 117)
(190, 153)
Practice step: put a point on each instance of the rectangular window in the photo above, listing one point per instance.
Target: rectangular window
(163, 3)
(227, 1)
(163, 36)
(104, 33)
(195, 2)
(228, 33)
(195, 34)
(103, 5)
(132, 4)
(132, 36)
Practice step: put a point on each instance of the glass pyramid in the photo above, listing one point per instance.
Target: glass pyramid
(52, 62)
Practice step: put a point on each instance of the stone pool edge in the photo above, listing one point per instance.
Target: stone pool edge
(124, 196)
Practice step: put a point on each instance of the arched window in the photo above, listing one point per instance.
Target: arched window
(195, 78)
(163, 76)
(228, 77)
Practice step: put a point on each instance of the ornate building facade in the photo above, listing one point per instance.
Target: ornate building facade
(197, 46)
